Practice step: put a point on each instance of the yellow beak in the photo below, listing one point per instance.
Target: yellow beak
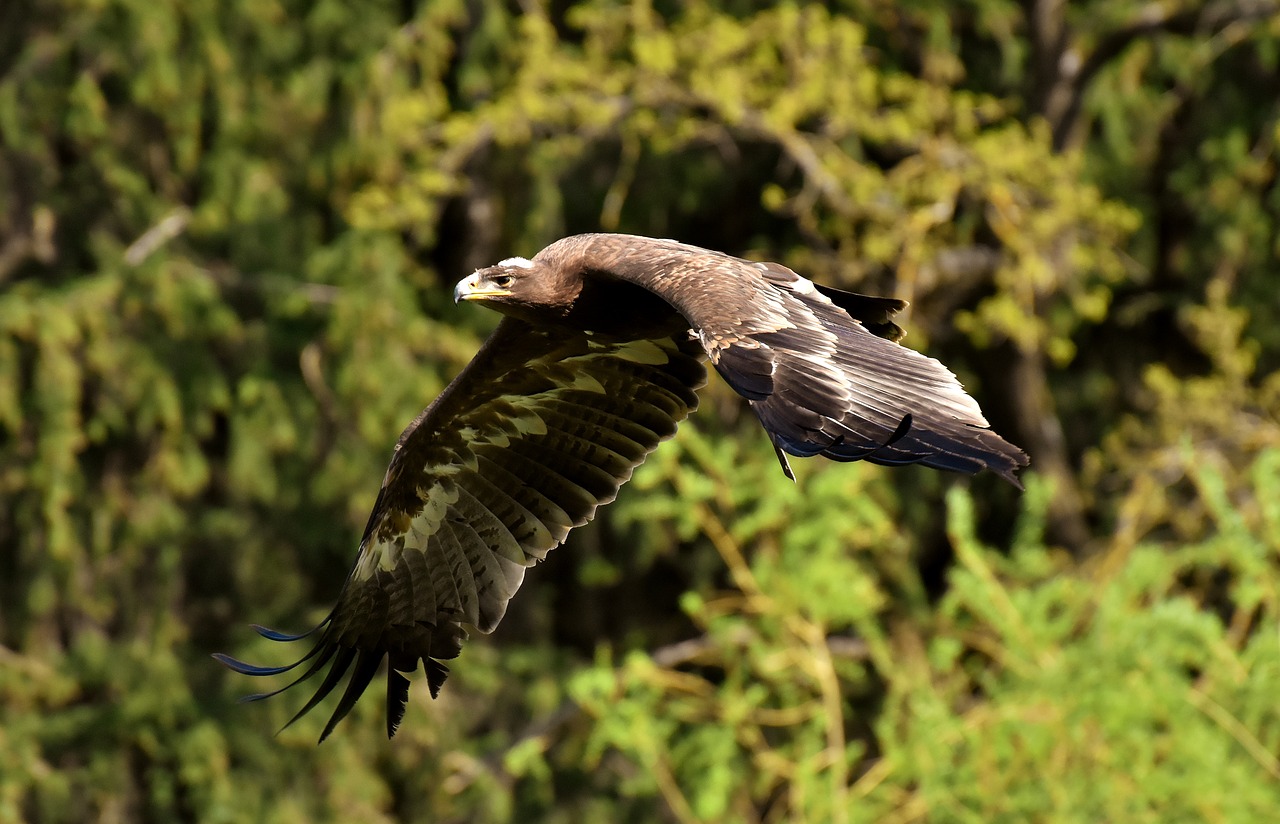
(469, 289)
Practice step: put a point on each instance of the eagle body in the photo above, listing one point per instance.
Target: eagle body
(597, 359)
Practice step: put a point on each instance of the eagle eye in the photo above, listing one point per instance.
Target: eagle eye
(503, 281)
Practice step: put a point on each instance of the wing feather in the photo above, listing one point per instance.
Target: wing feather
(614, 464)
(530, 534)
(489, 527)
(597, 485)
(545, 511)
(571, 496)
(640, 417)
(481, 567)
(458, 563)
(622, 436)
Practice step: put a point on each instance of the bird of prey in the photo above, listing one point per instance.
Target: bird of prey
(597, 359)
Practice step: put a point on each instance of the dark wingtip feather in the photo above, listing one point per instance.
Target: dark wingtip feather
(276, 635)
(341, 663)
(1013, 464)
(245, 668)
(366, 666)
(397, 700)
(1002, 457)
(326, 652)
(338, 657)
(875, 313)
(436, 673)
(904, 426)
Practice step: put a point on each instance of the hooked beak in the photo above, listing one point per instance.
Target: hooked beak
(469, 288)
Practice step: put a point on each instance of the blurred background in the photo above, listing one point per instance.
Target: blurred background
(229, 231)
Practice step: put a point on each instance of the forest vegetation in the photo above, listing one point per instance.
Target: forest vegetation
(229, 233)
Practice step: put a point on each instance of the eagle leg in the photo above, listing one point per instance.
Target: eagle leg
(782, 459)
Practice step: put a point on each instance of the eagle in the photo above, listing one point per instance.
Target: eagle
(598, 357)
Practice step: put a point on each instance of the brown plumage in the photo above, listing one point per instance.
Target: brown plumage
(596, 362)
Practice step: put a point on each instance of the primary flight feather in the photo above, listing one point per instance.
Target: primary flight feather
(597, 360)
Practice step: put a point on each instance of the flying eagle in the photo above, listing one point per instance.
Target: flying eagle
(597, 359)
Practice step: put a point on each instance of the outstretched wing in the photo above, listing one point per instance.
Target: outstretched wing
(540, 429)
(821, 381)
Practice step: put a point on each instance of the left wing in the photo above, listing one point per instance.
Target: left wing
(539, 430)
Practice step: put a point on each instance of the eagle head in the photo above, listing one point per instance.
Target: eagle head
(527, 289)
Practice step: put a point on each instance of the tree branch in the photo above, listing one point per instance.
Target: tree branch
(1209, 19)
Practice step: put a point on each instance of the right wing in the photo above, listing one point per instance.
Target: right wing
(820, 381)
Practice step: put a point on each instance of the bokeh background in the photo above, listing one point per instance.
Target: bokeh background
(229, 231)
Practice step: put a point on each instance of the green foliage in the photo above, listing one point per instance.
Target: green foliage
(1034, 688)
(227, 235)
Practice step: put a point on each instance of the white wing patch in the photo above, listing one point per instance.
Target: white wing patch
(518, 418)
(643, 351)
(581, 381)
(379, 554)
(805, 287)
